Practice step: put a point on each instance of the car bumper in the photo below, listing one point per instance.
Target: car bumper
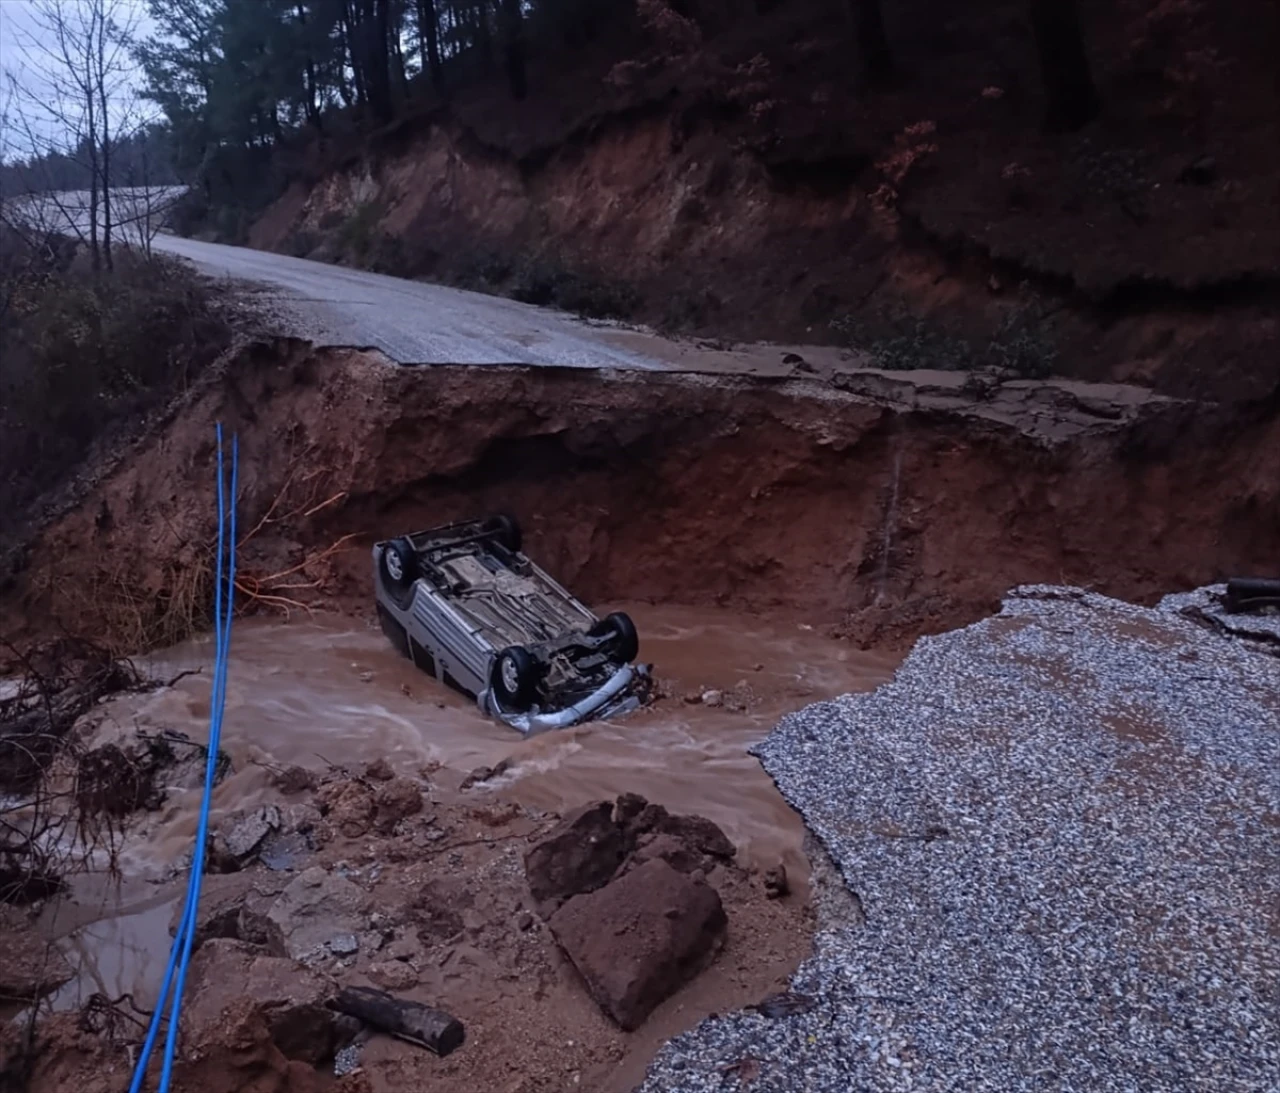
(619, 695)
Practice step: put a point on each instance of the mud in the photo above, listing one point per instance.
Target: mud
(886, 507)
(328, 696)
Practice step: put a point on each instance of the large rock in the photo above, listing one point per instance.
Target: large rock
(700, 835)
(242, 836)
(293, 1000)
(316, 907)
(579, 855)
(640, 938)
(226, 912)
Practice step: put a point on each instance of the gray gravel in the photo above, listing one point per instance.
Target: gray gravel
(1063, 825)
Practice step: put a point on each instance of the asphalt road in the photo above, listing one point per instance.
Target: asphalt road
(417, 323)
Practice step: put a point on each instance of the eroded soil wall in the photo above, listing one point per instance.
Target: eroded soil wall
(770, 495)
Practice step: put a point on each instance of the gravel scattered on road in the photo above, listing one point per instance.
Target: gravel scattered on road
(1063, 826)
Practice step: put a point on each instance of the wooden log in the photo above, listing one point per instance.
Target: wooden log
(1252, 593)
(412, 1021)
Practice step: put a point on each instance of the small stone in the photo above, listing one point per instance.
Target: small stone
(346, 1061)
(393, 975)
(712, 698)
(379, 771)
(776, 884)
(243, 838)
(344, 945)
(480, 774)
(524, 921)
(366, 677)
(757, 667)
(693, 698)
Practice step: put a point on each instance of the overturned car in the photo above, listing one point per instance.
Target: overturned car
(467, 605)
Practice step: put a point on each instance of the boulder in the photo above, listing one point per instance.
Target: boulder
(700, 835)
(677, 854)
(236, 1053)
(579, 855)
(292, 1000)
(639, 939)
(315, 907)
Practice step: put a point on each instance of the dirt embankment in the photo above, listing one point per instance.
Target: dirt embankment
(742, 185)
(898, 507)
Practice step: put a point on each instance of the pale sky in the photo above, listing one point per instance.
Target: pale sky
(17, 23)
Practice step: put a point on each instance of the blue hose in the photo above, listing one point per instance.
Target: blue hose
(180, 954)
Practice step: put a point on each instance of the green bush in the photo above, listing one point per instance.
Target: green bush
(549, 285)
(1022, 345)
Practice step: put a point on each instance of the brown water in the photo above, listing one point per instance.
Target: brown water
(333, 691)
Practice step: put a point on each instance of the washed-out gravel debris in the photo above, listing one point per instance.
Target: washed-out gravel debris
(1063, 827)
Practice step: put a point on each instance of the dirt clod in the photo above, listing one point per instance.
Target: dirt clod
(294, 780)
(395, 800)
(379, 771)
(348, 805)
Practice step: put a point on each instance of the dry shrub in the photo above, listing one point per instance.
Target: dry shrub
(910, 147)
(130, 612)
(83, 352)
(45, 833)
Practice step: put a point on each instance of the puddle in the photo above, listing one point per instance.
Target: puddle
(334, 691)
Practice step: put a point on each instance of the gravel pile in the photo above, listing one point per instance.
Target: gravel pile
(1063, 826)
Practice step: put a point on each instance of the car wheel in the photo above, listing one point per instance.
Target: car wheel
(399, 567)
(625, 642)
(505, 530)
(515, 678)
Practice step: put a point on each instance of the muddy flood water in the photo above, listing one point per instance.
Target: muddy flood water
(332, 691)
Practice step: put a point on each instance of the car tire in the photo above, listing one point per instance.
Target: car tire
(399, 565)
(515, 678)
(505, 530)
(625, 643)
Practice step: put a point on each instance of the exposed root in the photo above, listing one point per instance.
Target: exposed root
(274, 590)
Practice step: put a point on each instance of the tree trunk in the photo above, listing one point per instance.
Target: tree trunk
(94, 253)
(350, 31)
(873, 42)
(429, 40)
(106, 167)
(480, 29)
(1071, 98)
(379, 76)
(310, 88)
(513, 48)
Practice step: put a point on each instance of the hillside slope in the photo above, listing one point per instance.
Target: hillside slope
(741, 184)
